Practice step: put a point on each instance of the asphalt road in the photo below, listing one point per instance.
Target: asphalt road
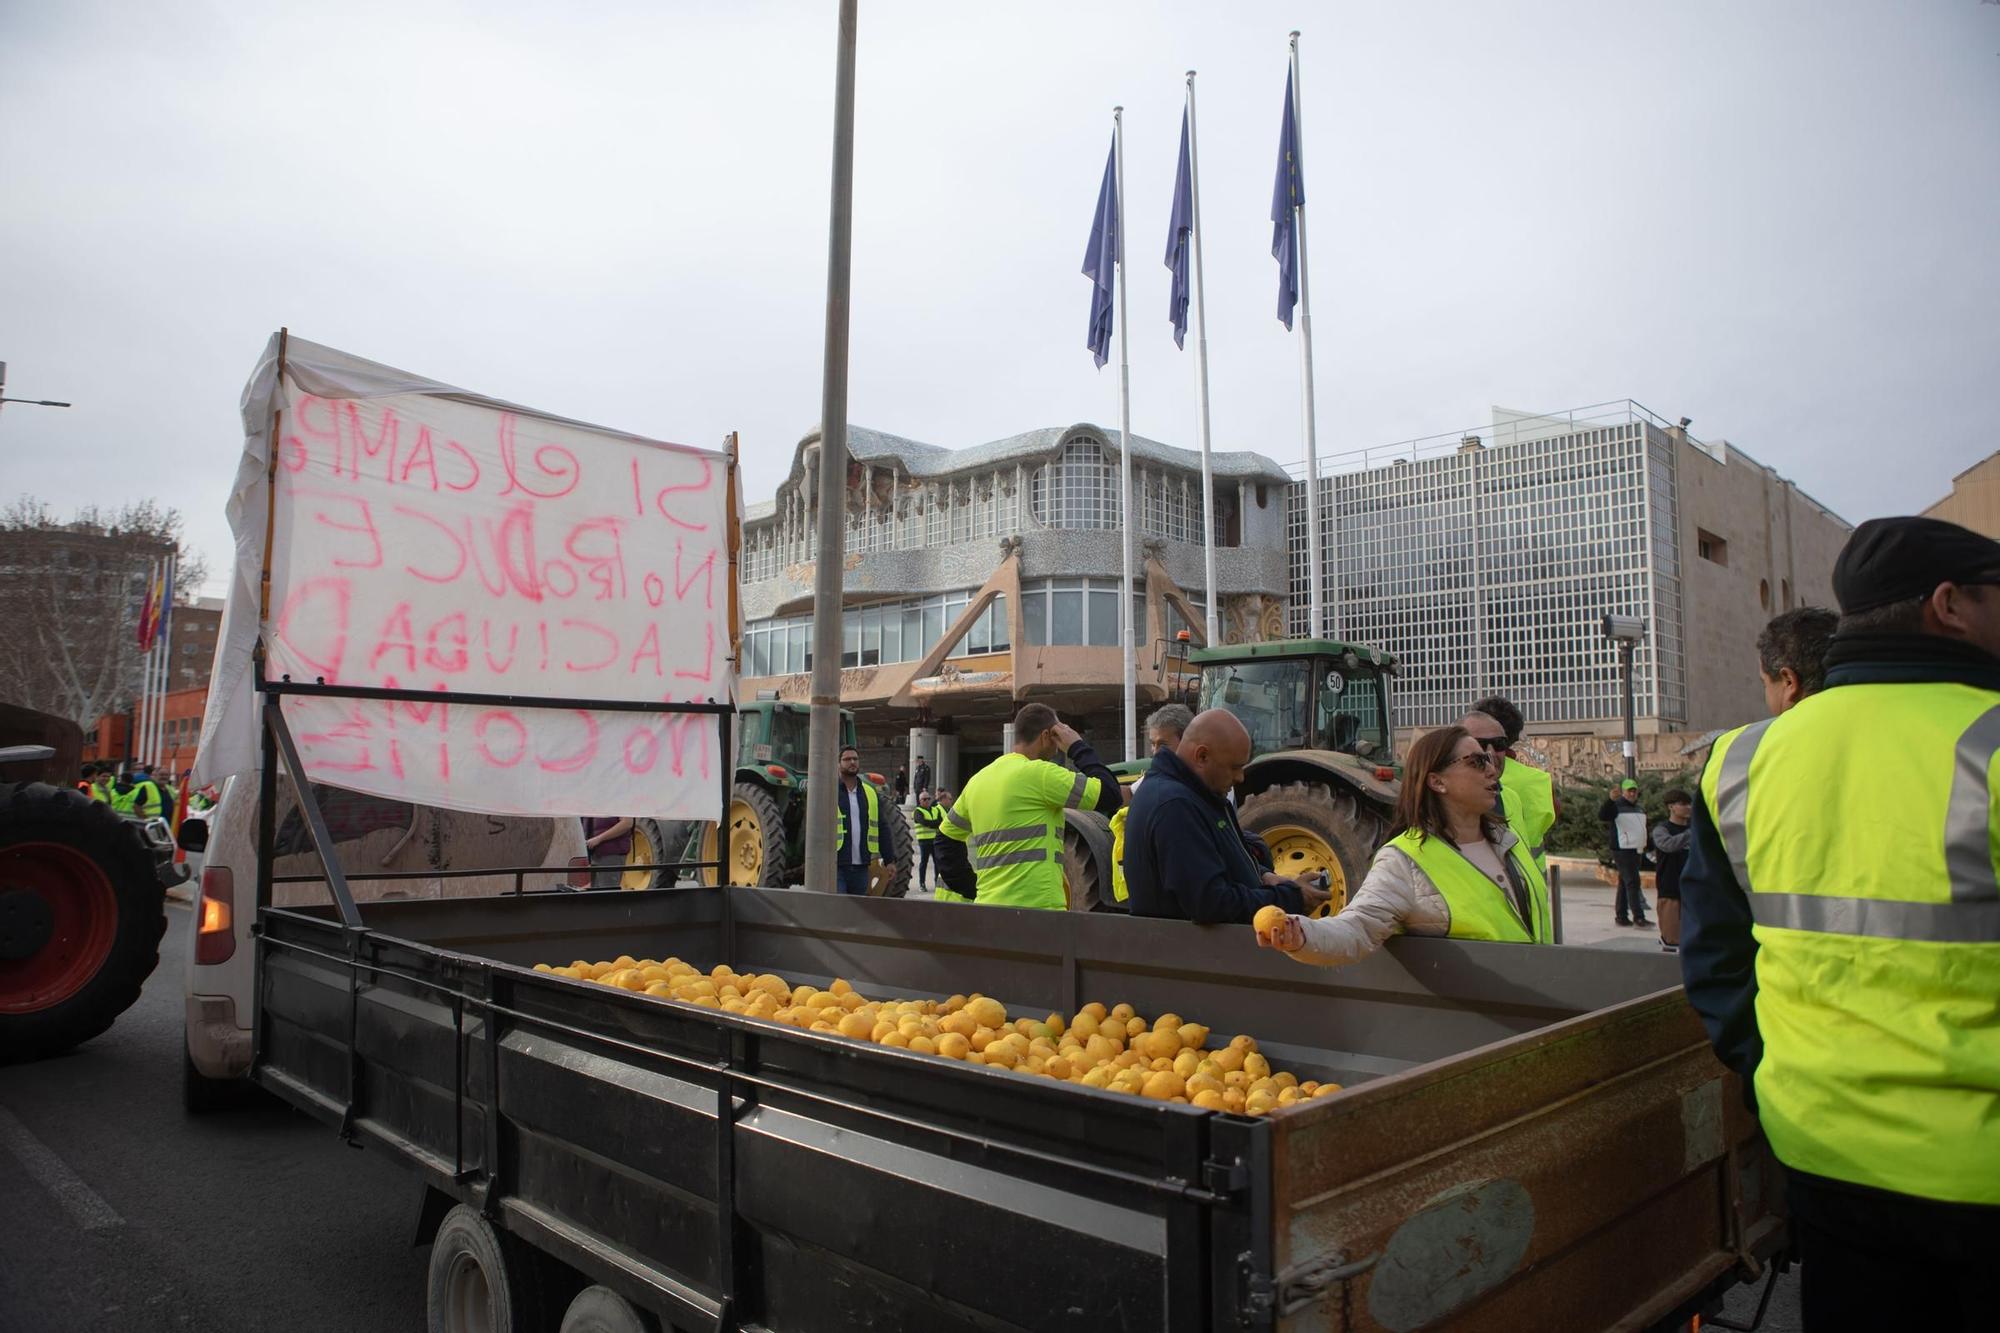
(119, 1211)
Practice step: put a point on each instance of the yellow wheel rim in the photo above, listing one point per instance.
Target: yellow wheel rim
(746, 845)
(744, 865)
(643, 853)
(1297, 852)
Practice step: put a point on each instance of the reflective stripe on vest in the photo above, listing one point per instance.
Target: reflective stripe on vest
(928, 817)
(1860, 826)
(1010, 818)
(874, 818)
(1480, 909)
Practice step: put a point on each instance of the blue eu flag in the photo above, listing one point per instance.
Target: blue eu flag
(1179, 229)
(1287, 194)
(1100, 261)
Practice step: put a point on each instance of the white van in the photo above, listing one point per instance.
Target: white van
(372, 835)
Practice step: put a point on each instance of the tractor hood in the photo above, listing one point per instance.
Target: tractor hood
(1362, 774)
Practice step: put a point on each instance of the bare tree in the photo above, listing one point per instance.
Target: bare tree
(70, 599)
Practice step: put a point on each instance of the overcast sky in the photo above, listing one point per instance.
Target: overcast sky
(1776, 218)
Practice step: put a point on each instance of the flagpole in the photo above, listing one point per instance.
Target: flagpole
(1125, 454)
(1201, 374)
(142, 720)
(1316, 598)
(166, 645)
(158, 665)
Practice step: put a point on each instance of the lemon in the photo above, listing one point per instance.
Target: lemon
(954, 1044)
(1210, 1101)
(1267, 919)
(987, 1012)
(1256, 1066)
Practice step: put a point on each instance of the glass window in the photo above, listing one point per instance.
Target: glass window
(871, 636)
(1000, 633)
(1066, 615)
(914, 643)
(1034, 616)
(797, 636)
(1104, 617)
(975, 640)
(933, 622)
(892, 635)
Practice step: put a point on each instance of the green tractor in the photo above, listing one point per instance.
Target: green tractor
(1322, 780)
(765, 825)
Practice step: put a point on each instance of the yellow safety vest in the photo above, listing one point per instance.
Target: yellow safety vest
(1481, 909)
(1010, 818)
(874, 818)
(1860, 824)
(1529, 795)
(1118, 889)
(928, 817)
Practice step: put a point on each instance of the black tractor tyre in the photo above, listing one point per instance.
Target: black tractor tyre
(1086, 856)
(656, 840)
(775, 868)
(892, 876)
(82, 911)
(1333, 814)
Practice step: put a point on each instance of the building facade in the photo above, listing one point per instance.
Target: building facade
(1486, 560)
(981, 579)
(1974, 501)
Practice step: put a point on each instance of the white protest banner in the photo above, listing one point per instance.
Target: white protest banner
(426, 538)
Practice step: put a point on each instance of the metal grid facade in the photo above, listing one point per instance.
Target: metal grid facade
(1488, 569)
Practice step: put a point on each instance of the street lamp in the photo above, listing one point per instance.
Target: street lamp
(1627, 631)
(32, 402)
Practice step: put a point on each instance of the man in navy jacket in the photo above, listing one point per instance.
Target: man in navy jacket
(1184, 851)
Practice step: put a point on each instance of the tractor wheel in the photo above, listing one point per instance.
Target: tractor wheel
(81, 914)
(754, 856)
(1086, 857)
(653, 841)
(891, 876)
(1312, 827)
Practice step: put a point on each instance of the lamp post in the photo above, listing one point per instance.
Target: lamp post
(1627, 632)
(31, 402)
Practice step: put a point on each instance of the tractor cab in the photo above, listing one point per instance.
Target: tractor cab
(773, 736)
(1303, 694)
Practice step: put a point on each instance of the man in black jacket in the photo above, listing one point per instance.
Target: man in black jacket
(1184, 851)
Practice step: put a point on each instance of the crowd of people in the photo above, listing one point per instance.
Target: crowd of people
(1832, 889)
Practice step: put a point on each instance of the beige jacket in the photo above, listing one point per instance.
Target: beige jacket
(1395, 897)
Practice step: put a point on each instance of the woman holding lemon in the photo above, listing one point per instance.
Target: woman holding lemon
(1456, 869)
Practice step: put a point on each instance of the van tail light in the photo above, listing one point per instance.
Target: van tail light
(215, 934)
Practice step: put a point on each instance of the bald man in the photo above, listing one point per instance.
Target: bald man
(1184, 851)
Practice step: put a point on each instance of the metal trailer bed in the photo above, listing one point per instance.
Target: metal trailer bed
(1534, 1137)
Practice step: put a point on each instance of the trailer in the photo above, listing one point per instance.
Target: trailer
(1531, 1136)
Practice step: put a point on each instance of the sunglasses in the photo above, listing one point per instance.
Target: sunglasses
(1481, 761)
(1494, 743)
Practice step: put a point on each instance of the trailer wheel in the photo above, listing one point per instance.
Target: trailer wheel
(1312, 827)
(483, 1280)
(890, 877)
(755, 852)
(81, 915)
(602, 1310)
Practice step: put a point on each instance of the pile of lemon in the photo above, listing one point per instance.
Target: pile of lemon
(1111, 1048)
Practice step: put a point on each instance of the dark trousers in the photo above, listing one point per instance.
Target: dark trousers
(1631, 901)
(923, 859)
(1873, 1260)
(854, 878)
